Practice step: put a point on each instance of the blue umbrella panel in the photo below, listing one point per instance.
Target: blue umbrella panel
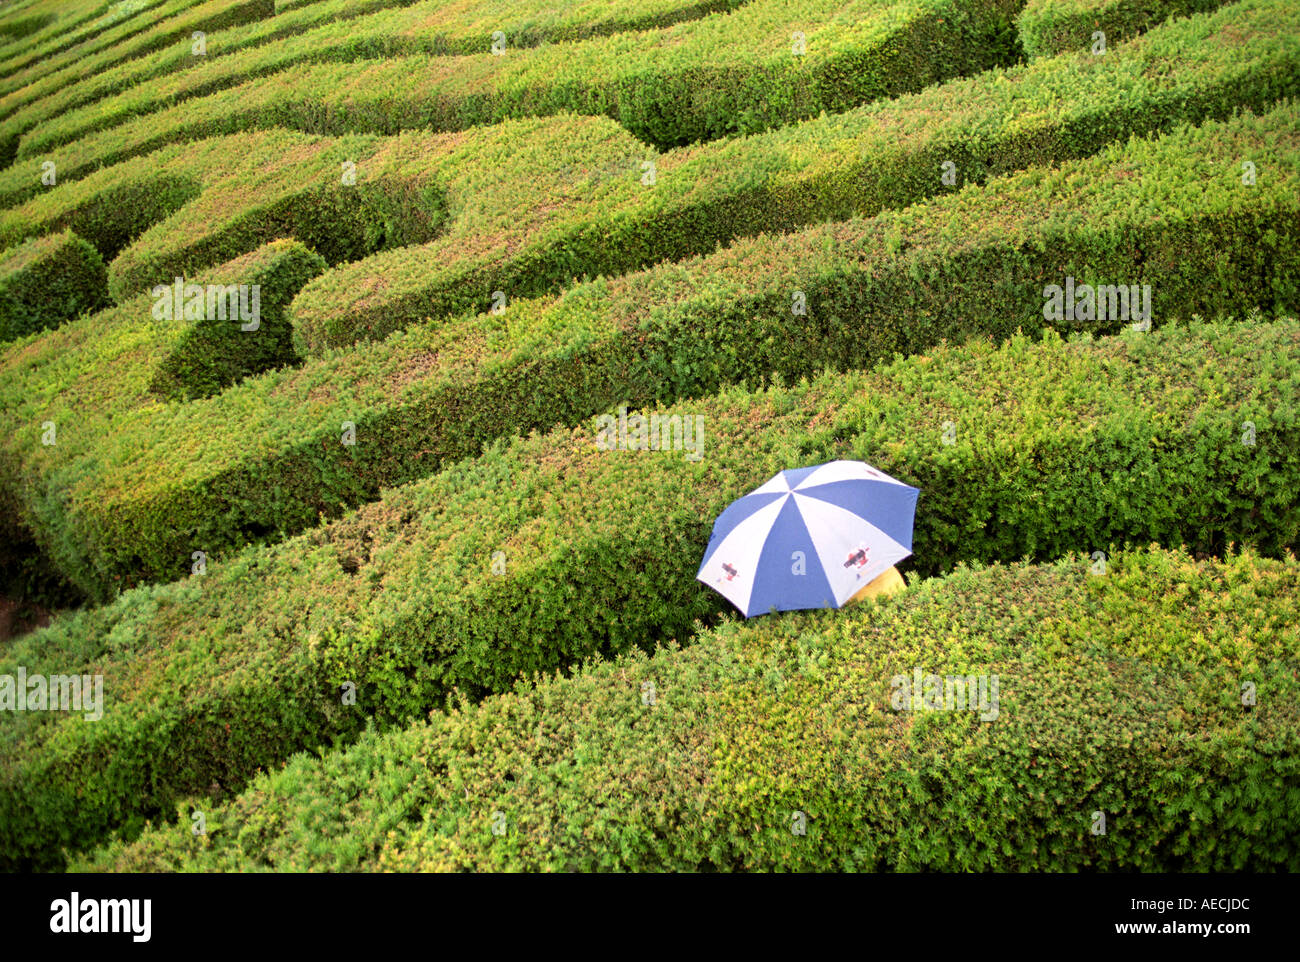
(809, 538)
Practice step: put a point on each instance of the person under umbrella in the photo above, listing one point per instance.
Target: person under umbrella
(815, 537)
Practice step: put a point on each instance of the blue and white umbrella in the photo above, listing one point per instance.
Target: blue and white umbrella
(809, 538)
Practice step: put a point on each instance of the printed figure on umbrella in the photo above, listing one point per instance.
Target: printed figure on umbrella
(858, 558)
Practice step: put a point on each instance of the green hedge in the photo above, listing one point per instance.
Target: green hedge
(335, 30)
(722, 74)
(886, 155)
(207, 203)
(18, 28)
(148, 359)
(78, 21)
(130, 504)
(758, 720)
(210, 678)
(88, 375)
(570, 199)
(47, 281)
(211, 353)
(167, 23)
(1049, 27)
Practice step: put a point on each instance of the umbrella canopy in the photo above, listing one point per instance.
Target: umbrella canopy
(809, 538)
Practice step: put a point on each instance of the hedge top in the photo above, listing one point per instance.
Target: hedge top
(1048, 27)
(757, 720)
(549, 501)
(177, 457)
(732, 72)
(830, 167)
(330, 30)
(170, 21)
(1195, 171)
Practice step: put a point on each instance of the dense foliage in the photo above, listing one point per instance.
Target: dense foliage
(176, 20)
(220, 674)
(1049, 27)
(1118, 693)
(330, 30)
(266, 456)
(48, 280)
(311, 314)
(730, 72)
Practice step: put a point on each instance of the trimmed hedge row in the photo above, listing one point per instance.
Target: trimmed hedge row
(722, 74)
(62, 371)
(171, 21)
(52, 107)
(208, 679)
(149, 358)
(1049, 27)
(1173, 214)
(323, 34)
(243, 191)
(882, 156)
(559, 208)
(19, 28)
(153, 355)
(758, 720)
(211, 352)
(49, 280)
(77, 21)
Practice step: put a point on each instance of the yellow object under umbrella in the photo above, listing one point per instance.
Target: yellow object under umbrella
(886, 583)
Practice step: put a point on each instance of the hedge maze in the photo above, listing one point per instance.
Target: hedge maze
(309, 314)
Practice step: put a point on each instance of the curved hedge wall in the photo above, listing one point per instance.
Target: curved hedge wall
(76, 21)
(49, 280)
(212, 352)
(161, 25)
(211, 678)
(1049, 27)
(727, 73)
(572, 200)
(1173, 213)
(1118, 693)
(344, 30)
(96, 371)
(137, 35)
